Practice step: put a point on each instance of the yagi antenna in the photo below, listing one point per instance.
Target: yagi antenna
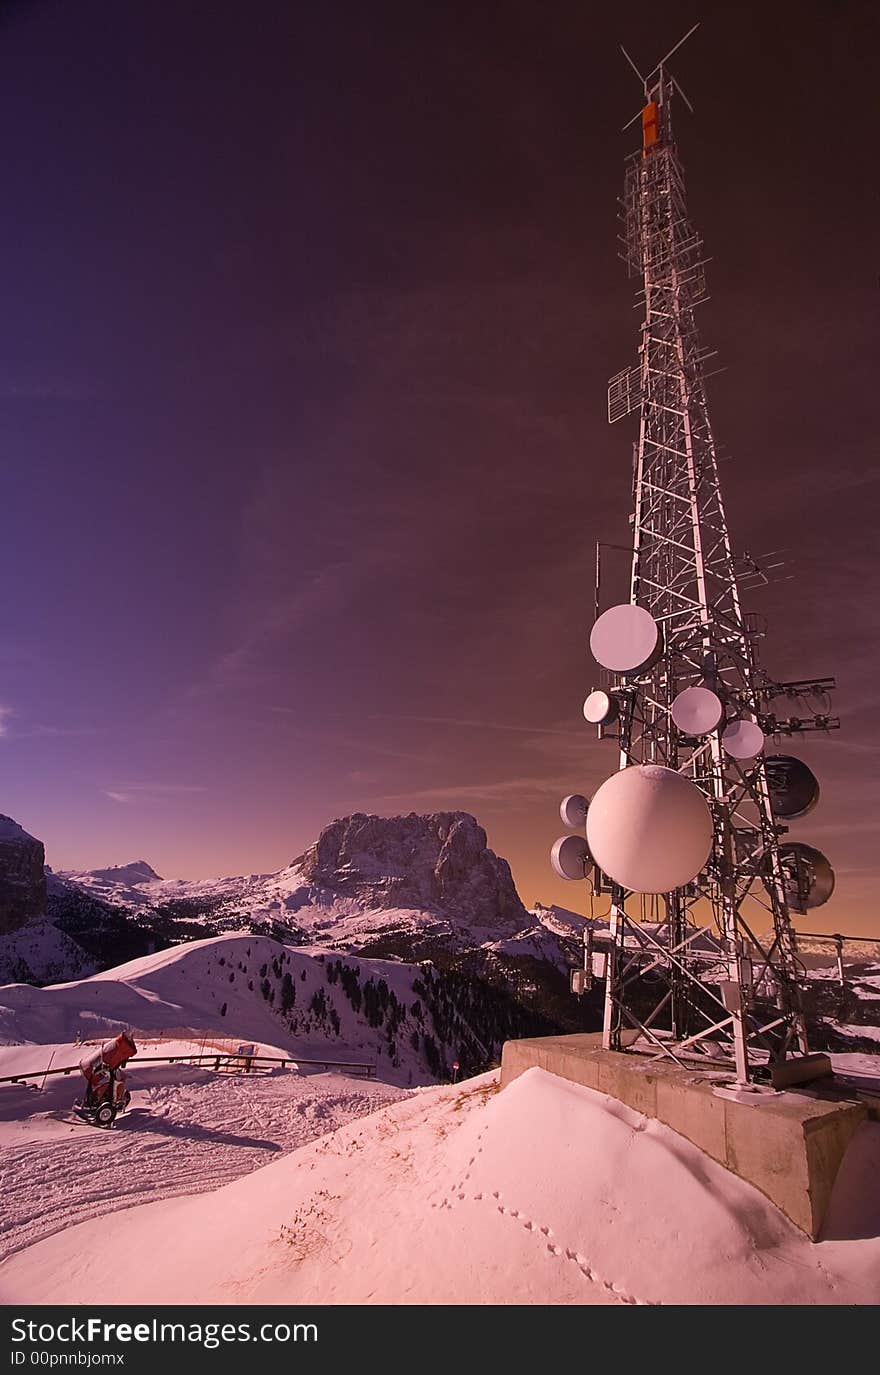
(659, 67)
(677, 86)
(691, 30)
(632, 64)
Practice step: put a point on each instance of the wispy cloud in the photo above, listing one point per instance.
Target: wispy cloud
(150, 792)
(62, 732)
(5, 713)
(473, 725)
(510, 792)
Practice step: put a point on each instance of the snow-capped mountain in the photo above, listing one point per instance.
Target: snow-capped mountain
(365, 878)
(410, 887)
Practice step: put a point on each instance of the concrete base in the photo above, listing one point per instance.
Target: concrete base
(789, 1145)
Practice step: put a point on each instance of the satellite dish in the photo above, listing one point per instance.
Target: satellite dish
(570, 856)
(573, 811)
(626, 639)
(807, 876)
(743, 739)
(697, 711)
(600, 708)
(794, 788)
(650, 829)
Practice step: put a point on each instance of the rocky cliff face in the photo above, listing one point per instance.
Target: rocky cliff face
(22, 876)
(439, 862)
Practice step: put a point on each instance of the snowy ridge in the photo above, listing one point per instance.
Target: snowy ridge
(408, 1019)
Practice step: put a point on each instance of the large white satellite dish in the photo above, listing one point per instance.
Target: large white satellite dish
(600, 708)
(743, 739)
(573, 811)
(697, 711)
(626, 639)
(569, 857)
(649, 828)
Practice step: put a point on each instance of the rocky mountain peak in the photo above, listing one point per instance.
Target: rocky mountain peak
(439, 862)
(22, 877)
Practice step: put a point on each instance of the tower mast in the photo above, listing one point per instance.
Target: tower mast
(705, 974)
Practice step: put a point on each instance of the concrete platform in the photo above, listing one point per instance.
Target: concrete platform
(789, 1144)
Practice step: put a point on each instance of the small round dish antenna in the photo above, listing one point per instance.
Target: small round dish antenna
(570, 856)
(600, 708)
(626, 639)
(807, 876)
(743, 739)
(573, 811)
(649, 828)
(697, 711)
(794, 788)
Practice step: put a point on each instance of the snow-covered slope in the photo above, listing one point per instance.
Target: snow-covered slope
(410, 1020)
(38, 951)
(188, 1130)
(547, 1193)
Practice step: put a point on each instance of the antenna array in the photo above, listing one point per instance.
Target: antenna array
(687, 836)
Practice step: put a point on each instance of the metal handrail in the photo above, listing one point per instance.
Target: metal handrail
(837, 936)
(223, 1057)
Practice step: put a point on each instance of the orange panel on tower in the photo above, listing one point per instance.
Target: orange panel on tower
(650, 124)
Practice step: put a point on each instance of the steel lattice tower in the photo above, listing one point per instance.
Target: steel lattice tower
(697, 977)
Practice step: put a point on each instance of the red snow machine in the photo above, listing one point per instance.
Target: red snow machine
(106, 1094)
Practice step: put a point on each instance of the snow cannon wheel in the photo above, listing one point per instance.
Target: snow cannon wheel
(105, 1115)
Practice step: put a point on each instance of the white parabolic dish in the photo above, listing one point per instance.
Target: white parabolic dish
(649, 828)
(600, 708)
(743, 739)
(626, 639)
(697, 710)
(569, 857)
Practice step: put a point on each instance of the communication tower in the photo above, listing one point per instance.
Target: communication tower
(700, 961)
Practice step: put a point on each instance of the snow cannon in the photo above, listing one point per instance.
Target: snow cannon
(110, 1056)
(106, 1094)
(116, 1052)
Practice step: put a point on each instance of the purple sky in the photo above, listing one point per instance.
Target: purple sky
(308, 313)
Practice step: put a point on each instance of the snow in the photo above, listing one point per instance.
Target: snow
(38, 950)
(857, 1069)
(187, 1130)
(547, 1193)
(210, 987)
(870, 1033)
(344, 921)
(296, 1187)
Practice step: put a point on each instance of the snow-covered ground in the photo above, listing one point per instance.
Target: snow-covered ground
(187, 1130)
(545, 1193)
(287, 1186)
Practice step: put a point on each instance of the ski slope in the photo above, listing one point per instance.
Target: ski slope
(188, 1130)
